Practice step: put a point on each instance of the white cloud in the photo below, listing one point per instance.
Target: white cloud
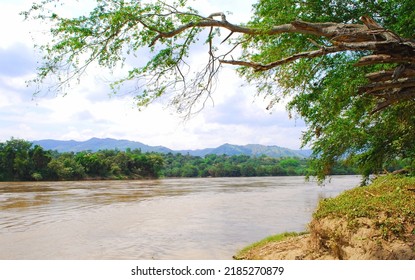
(13, 28)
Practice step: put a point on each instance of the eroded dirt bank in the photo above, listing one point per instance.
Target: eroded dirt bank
(332, 242)
(369, 223)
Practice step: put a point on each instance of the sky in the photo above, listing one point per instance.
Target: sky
(237, 115)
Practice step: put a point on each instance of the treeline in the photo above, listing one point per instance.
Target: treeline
(239, 166)
(178, 165)
(20, 160)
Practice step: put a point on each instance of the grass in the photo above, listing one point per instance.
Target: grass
(263, 242)
(390, 200)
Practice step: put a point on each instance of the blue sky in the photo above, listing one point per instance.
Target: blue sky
(237, 116)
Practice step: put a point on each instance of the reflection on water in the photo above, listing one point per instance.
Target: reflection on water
(208, 218)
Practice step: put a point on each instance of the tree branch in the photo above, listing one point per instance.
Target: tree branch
(404, 95)
(329, 29)
(383, 58)
(264, 67)
(386, 48)
(377, 87)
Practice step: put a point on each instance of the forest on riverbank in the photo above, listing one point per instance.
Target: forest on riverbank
(20, 160)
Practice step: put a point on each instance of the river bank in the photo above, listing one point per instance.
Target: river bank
(373, 222)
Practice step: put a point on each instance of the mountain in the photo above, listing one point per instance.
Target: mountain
(95, 144)
(250, 150)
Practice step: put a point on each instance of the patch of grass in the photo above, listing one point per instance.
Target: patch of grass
(389, 200)
(263, 242)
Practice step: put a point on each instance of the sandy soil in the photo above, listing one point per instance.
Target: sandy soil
(331, 239)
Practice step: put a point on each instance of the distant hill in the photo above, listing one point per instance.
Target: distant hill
(250, 150)
(96, 144)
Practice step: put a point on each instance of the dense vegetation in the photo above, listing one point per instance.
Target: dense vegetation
(21, 160)
(178, 165)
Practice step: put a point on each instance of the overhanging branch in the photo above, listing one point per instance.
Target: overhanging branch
(264, 67)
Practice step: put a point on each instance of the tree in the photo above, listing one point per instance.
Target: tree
(346, 67)
(15, 161)
(189, 170)
(65, 167)
(20, 160)
(94, 164)
(41, 159)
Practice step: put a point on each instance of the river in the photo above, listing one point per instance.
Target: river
(203, 218)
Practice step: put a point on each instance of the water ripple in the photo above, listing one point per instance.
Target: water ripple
(162, 219)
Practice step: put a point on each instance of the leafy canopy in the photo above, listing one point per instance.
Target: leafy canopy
(339, 75)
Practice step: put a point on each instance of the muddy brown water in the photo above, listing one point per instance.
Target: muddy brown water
(203, 218)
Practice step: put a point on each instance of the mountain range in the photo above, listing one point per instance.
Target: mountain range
(96, 144)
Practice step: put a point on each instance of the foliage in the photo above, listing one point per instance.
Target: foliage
(178, 165)
(389, 200)
(65, 167)
(115, 30)
(20, 161)
(323, 89)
